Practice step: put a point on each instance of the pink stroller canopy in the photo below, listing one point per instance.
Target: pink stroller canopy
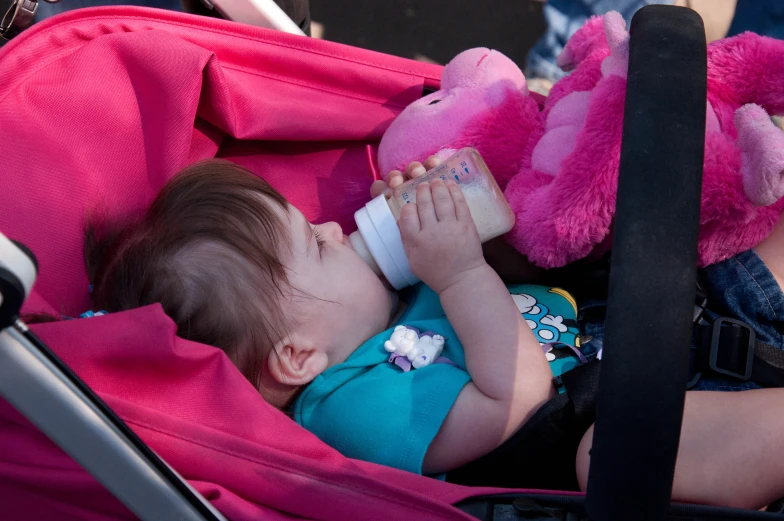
(98, 109)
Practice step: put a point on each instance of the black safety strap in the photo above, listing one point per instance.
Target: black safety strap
(729, 348)
(582, 387)
(653, 269)
(542, 452)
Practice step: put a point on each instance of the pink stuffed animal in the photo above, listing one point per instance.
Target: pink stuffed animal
(483, 102)
(559, 166)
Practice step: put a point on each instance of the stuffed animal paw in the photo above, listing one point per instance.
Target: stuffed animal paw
(428, 349)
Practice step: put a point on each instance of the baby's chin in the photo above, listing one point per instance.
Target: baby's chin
(391, 293)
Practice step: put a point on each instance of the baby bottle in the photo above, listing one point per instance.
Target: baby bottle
(378, 240)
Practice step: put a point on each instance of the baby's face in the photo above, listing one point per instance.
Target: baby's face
(337, 301)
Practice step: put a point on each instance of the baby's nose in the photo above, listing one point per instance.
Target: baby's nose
(333, 231)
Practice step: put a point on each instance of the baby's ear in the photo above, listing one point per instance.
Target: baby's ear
(296, 361)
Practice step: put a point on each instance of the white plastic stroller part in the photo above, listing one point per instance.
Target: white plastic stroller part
(261, 13)
(18, 267)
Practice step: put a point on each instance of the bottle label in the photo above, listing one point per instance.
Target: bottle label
(464, 172)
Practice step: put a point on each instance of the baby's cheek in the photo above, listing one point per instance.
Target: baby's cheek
(361, 287)
(379, 300)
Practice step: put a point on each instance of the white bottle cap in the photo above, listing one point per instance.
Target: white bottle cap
(381, 234)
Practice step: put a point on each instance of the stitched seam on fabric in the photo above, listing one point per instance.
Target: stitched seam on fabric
(310, 86)
(241, 69)
(217, 31)
(313, 387)
(287, 470)
(413, 434)
(35, 70)
(758, 285)
(420, 426)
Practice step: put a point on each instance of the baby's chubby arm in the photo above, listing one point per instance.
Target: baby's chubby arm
(510, 375)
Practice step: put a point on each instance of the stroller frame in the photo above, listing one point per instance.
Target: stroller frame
(40, 386)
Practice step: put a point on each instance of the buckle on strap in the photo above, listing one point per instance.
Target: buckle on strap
(700, 304)
(18, 16)
(732, 348)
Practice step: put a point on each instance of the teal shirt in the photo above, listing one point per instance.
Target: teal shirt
(370, 409)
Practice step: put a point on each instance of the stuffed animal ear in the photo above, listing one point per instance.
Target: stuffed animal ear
(582, 43)
(615, 30)
(618, 40)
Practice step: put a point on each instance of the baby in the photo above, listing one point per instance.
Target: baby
(306, 321)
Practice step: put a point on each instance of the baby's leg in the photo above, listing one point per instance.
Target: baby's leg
(731, 449)
(771, 251)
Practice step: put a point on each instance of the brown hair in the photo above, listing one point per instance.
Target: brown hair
(209, 251)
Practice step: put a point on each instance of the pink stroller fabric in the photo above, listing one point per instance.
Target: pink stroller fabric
(98, 108)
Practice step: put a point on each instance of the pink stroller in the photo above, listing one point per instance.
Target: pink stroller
(121, 419)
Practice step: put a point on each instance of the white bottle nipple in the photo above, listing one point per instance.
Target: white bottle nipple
(359, 246)
(381, 237)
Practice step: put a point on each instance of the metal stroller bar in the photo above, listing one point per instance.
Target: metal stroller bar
(41, 387)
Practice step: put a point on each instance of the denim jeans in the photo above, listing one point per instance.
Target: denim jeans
(765, 17)
(563, 18)
(741, 287)
(45, 10)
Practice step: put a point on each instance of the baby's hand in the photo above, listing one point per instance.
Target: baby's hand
(440, 236)
(396, 178)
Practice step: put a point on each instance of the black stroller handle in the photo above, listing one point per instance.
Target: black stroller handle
(653, 275)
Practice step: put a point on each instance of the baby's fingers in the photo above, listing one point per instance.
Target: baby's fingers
(442, 201)
(425, 209)
(462, 212)
(379, 187)
(395, 178)
(432, 162)
(409, 222)
(414, 170)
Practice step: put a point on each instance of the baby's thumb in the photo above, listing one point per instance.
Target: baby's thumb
(379, 187)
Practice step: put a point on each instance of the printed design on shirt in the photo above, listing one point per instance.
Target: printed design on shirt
(409, 348)
(547, 327)
(566, 296)
(551, 330)
(560, 351)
